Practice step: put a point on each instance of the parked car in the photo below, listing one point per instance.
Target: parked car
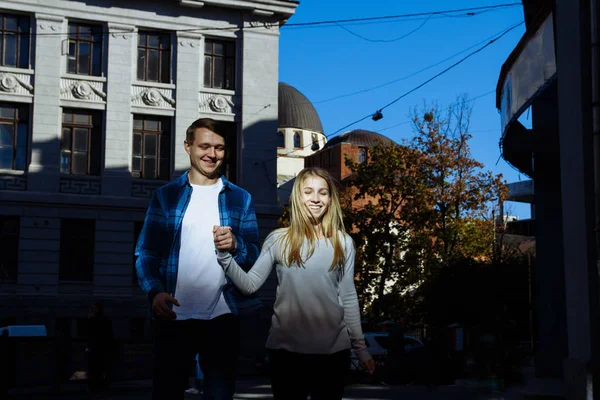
(377, 344)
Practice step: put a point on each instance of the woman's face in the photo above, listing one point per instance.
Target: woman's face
(316, 196)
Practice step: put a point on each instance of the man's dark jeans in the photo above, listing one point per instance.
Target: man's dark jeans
(175, 345)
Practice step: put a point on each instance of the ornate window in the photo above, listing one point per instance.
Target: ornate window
(14, 31)
(362, 155)
(81, 144)
(219, 64)
(297, 140)
(85, 49)
(151, 158)
(14, 130)
(154, 57)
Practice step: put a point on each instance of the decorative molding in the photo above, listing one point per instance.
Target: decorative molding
(49, 22)
(79, 185)
(217, 103)
(79, 89)
(15, 83)
(189, 39)
(153, 97)
(13, 183)
(121, 31)
(144, 189)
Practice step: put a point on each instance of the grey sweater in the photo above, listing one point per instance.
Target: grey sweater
(316, 310)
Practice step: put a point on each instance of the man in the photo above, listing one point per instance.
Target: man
(177, 266)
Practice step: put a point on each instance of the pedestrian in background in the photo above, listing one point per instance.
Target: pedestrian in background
(100, 350)
(316, 316)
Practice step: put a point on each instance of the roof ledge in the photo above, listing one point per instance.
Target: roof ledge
(258, 7)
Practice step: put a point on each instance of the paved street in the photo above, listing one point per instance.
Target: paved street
(260, 389)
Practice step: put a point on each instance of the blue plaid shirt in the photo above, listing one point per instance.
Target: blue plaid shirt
(159, 241)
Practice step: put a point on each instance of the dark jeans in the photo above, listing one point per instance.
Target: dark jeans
(294, 376)
(176, 343)
(100, 361)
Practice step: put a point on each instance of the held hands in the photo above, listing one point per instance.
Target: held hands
(369, 366)
(161, 308)
(223, 237)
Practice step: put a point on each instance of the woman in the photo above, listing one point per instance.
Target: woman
(316, 314)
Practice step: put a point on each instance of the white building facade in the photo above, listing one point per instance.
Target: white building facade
(95, 98)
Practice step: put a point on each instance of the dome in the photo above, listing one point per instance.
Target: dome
(359, 137)
(296, 111)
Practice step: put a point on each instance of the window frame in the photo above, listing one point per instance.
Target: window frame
(161, 53)
(362, 153)
(229, 55)
(21, 34)
(20, 116)
(94, 141)
(93, 43)
(160, 132)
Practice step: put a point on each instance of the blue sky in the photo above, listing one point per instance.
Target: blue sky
(325, 62)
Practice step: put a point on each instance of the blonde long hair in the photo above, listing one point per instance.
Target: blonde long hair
(303, 226)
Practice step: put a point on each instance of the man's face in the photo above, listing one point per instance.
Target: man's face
(206, 152)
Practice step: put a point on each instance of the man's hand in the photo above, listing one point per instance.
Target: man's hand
(161, 308)
(223, 237)
(369, 366)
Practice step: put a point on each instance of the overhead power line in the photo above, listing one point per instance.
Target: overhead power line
(411, 74)
(313, 23)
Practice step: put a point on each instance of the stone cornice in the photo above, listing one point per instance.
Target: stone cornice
(259, 7)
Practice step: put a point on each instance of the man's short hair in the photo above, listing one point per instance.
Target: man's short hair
(207, 123)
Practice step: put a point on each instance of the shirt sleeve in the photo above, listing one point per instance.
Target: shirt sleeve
(247, 240)
(350, 303)
(249, 282)
(149, 249)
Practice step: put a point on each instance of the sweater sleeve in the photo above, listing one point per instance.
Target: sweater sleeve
(349, 299)
(249, 282)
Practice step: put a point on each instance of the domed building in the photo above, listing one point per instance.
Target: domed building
(300, 134)
(354, 144)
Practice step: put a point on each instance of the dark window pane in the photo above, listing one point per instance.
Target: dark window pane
(137, 144)
(77, 262)
(152, 66)
(165, 68)
(65, 161)
(136, 163)
(83, 119)
(141, 65)
(71, 65)
(153, 40)
(207, 71)
(150, 168)
(150, 145)
(9, 247)
(72, 30)
(230, 50)
(151, 124)
(141, 39)
(67, 116)
(7, 112)
(208, 47)
(80, 139)
(10, 49)
(229, 74)
(7, 134)
(165, 41)
(219, 49)
(137, 123)
(165, 145)
(85, 32)
(11, 23)
(24, 51)
(72, 48)
(83, 64)
(280, 139)
(21, 156)
(97, 60)
(80, 163)
(297, 141)
(219, 72)
(6, 157)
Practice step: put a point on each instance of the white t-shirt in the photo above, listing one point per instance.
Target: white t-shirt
(200, 278)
